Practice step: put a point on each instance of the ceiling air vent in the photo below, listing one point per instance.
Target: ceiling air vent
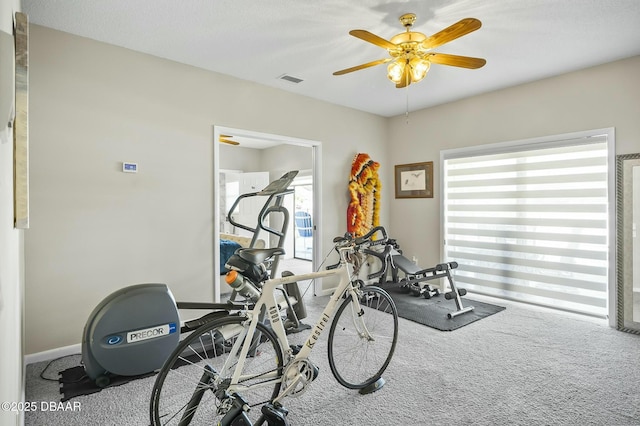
(290, 78)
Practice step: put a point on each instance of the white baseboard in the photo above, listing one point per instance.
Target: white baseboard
(52, 354)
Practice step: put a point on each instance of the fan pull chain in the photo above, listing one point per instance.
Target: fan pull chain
(406, 114)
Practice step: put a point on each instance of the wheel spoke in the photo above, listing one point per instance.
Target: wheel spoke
(361, 345)
(193, 386)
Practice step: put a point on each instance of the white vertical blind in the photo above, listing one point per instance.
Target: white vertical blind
(530, 222)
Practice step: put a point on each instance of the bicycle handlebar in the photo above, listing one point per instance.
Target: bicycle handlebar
(383, 260)
(363, 243)
(366, 237)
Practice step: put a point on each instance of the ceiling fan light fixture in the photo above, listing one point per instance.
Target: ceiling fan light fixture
(411, 53)
(419, 68)
(395, 71)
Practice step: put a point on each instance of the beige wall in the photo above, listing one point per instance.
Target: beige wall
(11, 249)
(95, 229)
(599, 97)
(240, 158)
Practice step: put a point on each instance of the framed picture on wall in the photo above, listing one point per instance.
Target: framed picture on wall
(414, 180)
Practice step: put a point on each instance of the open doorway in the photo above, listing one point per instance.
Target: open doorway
(275, 154)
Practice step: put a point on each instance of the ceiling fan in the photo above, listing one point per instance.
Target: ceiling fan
(411, 53)
(227, 139)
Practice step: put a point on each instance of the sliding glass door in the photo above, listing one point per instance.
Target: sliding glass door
(303, 221)
(531, 222)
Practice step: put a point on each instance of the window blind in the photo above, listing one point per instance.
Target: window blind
(530, 223)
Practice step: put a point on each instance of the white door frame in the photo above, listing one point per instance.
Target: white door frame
(316, 153)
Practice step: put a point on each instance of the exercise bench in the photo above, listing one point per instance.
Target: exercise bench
(414, 277)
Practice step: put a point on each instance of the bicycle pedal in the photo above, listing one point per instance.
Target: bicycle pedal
(316, 371)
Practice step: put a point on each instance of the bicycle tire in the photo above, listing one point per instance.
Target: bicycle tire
(185, 389)
(355, 361)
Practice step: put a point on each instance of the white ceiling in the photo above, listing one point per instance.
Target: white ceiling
(259, 41)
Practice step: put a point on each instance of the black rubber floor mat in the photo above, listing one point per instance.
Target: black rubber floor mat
(75, 382)
(433, 312)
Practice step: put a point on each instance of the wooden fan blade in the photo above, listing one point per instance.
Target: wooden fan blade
(456, 61)
(225, 139)
(460, 28)
(406, 79)
(372, 38)
(359, 67)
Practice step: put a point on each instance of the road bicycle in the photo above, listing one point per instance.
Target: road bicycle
(235, 370)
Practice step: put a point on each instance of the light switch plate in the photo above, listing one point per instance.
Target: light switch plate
(130, 167)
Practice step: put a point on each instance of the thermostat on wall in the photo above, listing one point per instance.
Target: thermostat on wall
(130, 167)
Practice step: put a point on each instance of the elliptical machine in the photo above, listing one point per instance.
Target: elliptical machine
(130, 333)
(135, 329)
(272, 208)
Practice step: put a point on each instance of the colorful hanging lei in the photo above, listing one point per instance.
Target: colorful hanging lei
(363, 212)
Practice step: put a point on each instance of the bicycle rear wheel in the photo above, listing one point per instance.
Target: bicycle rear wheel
(191, 387)
(358, 356)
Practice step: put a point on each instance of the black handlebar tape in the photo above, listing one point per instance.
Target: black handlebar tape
(380, 256)
(368, 235)
(376, 274)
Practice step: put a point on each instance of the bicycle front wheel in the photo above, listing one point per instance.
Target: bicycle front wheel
(361, 344)
(192, 386)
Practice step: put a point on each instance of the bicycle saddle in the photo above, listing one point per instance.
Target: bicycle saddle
(258, 255)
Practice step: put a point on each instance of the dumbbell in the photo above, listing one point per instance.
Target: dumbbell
(428, 295)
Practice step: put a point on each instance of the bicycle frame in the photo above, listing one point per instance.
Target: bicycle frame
(268, 301)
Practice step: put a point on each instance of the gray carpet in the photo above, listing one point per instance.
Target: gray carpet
(523, 366)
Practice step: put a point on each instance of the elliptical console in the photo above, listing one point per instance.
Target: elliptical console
(130, 333)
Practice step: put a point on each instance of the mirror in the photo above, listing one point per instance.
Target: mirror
(628, 246)
(276, 154)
